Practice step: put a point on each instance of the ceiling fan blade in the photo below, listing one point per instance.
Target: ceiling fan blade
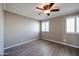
(39, 8)
(51, 4)
(55, 10)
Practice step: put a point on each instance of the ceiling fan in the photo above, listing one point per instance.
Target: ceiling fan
(48, 8)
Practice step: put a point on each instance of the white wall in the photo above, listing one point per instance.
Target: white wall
(1, 29)
(58, 33)
(19, 29)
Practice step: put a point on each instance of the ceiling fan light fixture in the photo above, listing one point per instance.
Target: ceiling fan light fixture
(48, 14)
(46, 11)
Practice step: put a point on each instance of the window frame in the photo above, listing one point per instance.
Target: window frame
(45, 26)
(75, 17)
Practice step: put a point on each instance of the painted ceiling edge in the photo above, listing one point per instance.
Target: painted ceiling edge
(22, 15)
(42, 19)
(60, 15)
(5, 9)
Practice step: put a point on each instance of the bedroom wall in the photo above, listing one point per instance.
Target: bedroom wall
(1, 29)
(19, 29)
(58, 33)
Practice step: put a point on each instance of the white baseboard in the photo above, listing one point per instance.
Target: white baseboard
(61, 43)
(21, 43)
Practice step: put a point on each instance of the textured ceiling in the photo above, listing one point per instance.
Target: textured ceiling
(28, 9)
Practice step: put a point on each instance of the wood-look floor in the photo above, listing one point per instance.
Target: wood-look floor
(42, 48)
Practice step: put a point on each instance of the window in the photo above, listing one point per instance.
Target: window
(45, 26)
(77, 23)
(72, 25)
